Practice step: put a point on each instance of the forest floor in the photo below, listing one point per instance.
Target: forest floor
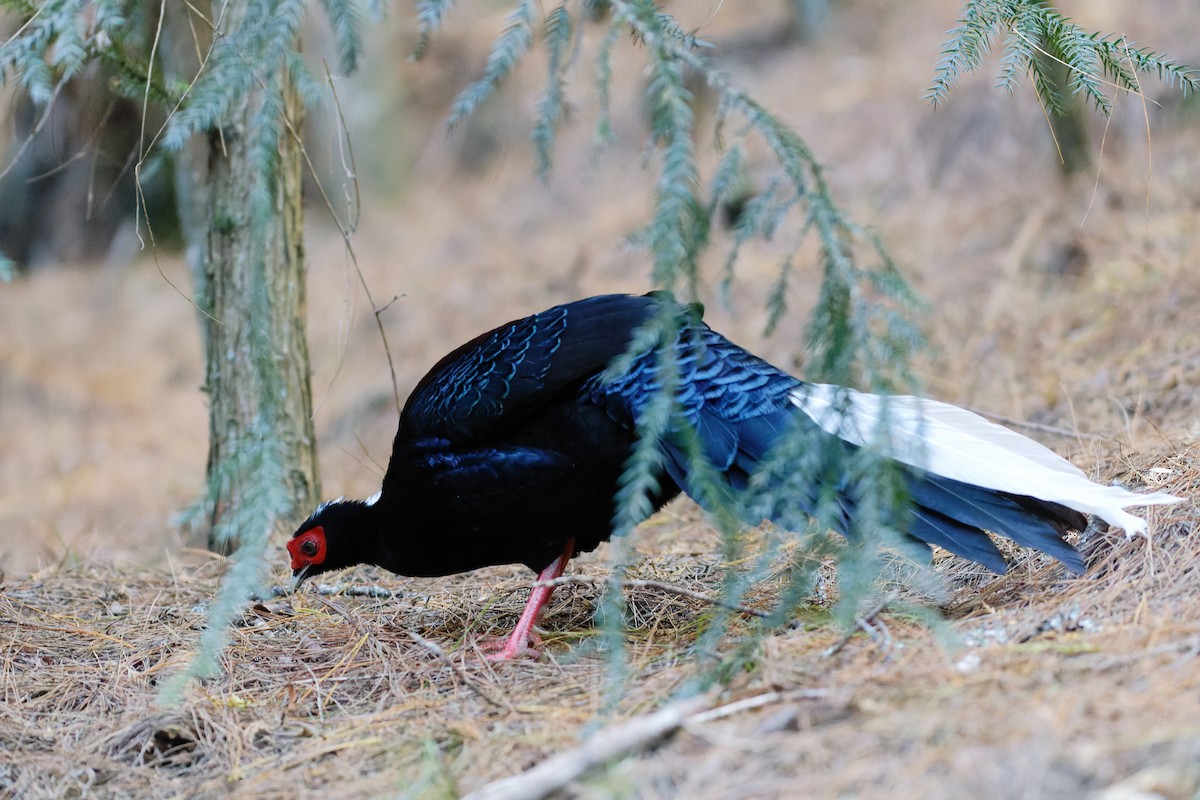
(1067, 308)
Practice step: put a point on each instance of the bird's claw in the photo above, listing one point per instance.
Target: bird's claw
(497, 649)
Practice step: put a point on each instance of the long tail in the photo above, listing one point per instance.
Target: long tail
(965, 476)
(954, 443)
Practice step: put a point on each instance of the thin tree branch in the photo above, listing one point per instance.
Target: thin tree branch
(41, 123)
(1066, 433)
(636, 583)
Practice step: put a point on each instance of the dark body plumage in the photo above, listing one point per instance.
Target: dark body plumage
(514, 443)
(503, 452)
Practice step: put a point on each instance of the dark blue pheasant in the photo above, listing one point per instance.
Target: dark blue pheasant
(511, 449)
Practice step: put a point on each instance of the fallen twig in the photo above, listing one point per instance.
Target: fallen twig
(863, 623)
(1054, 430)
(626, 738)
(671, 588)
(328, 589)
(756, 701)
(609, 744)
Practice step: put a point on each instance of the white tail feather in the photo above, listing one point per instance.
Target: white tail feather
(959, 444)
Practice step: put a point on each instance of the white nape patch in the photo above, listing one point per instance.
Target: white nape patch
(328, 503)
(373, 499)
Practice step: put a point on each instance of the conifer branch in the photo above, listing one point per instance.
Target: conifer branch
(604, 130)
(429, 18)
(557, 39)
(344, 20)
(1034, 31)
(512, 44)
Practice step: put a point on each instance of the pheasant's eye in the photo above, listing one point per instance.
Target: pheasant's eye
(309, 548)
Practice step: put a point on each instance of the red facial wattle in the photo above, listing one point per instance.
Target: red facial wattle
(308, 549)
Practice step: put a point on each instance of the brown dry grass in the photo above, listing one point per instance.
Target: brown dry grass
(1056, 688)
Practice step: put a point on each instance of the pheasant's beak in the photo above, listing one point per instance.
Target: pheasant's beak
(298, 577)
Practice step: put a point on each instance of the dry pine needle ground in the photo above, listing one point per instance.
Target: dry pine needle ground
(1056, 687)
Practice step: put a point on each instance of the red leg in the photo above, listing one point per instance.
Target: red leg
(522, 637)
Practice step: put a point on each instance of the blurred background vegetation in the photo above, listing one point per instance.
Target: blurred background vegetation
(972, 198)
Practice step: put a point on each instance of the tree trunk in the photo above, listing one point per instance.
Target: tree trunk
(241, 208)
(262, 455)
